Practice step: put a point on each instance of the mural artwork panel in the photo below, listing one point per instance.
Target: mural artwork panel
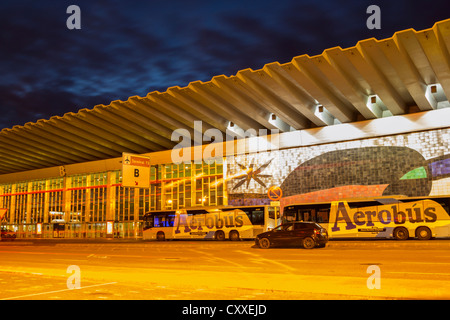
(415, 164)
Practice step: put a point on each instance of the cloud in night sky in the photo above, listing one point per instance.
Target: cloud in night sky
(128, 48)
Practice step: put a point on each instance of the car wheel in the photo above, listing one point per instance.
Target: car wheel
(401, 233)
(160, 236)
(309, 243)
(220, 235)
(264, 243)
(423, 233)
(234, 235)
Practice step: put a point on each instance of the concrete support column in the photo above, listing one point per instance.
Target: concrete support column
(87, 205)
(2, 199)
(46, 201)
(110, 196)
(66, 197)
(29, 200)
(136, 204)
(12, 208)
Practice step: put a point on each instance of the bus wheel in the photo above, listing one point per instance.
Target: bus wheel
(401, 233)
(423, 233)
(160, 236)
(309, 243)
(234, 235)
(264, 243)
(220, 235)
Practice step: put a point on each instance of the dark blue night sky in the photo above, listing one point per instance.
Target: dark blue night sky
(127, 48)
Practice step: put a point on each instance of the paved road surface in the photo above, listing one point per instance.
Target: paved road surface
(188, 270)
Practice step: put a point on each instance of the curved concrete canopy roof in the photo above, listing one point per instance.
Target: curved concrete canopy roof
(408, 72)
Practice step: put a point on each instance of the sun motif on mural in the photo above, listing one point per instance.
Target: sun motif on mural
(250, 172)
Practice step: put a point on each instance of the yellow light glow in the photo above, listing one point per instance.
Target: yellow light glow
(39, 228)
(239, 174)
(177, 182)
(109, 227)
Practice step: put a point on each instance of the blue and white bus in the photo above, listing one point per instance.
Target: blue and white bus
(217, 223)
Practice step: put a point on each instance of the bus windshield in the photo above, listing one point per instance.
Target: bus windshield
(255, 215)
(160, 219)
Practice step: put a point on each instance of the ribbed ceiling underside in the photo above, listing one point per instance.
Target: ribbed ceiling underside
(408, 72)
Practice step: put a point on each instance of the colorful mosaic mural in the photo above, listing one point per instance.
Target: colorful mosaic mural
(415, 164)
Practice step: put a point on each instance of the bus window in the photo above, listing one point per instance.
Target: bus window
(255, 215)
(274, 212)
(170, 220)
(197, 211)
(164, 220)
(306, 215)
(159, 219)
(289, 213)
(258, 216)
(363, 204)
(148, 221)
(315, 213)
(271, 212)
(445, 204)
(323, 215)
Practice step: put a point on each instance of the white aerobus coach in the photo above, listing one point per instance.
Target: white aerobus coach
(399, 218)
(217, 223)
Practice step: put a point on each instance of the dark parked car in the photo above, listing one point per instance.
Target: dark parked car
(307, 234)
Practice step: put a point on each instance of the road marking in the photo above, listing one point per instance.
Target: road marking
(223, 266)
(215, 258)
(44, 253)
(428, 273)
(48, 292)
(93, 255)
(97, 256)
(296, 260)
(264, 260)
(18, 271)
(82, 260)
(420, 262)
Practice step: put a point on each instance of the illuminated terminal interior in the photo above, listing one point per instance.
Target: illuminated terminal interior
(366, 121)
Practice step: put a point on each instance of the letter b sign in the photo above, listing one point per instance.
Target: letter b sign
(135, 171)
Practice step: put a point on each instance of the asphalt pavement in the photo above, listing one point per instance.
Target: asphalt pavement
(116, 269)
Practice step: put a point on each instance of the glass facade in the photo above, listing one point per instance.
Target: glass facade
(414, 164)
(79, 206)
(187, 185)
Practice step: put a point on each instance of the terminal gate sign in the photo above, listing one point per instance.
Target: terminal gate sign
(135, 171)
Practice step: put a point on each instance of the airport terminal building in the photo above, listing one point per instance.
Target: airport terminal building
(367, 121)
